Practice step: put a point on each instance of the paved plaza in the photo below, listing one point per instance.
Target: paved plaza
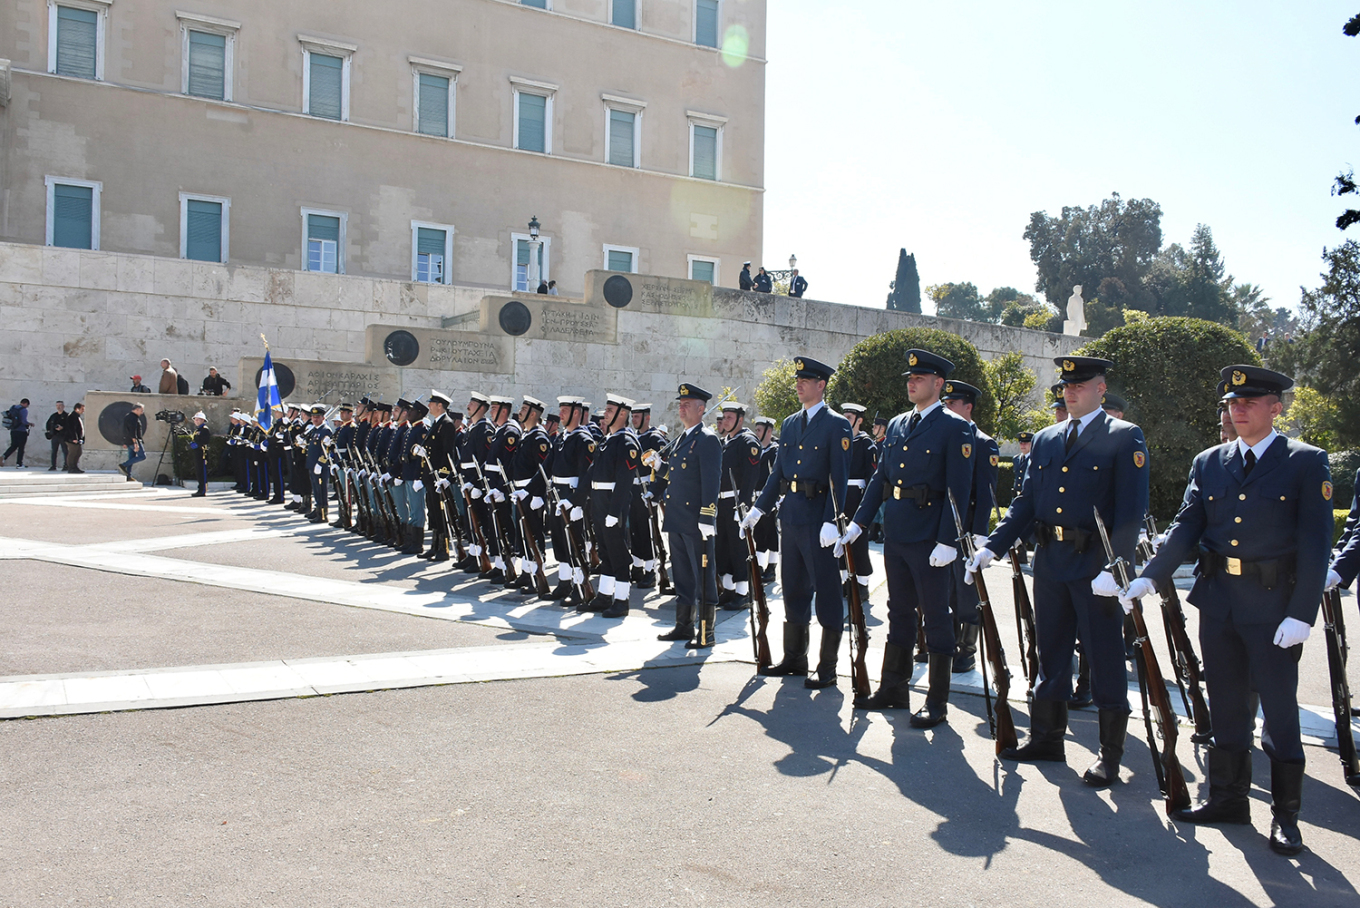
(213, 702)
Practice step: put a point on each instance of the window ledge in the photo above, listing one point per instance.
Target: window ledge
(326, 45)
(530, 83)
(207, 21)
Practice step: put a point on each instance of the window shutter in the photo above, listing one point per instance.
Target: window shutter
(73, 216)
(434, 105)
(430, 241)
(625, 13)
(706, 152)
(77, 42)
(532, 115)
(621, 137)
(323, 227)
(706, 29)
(620, 261)
(326, 76)
(207, 65)
(540, 4)
(702, 271)
(203, 231)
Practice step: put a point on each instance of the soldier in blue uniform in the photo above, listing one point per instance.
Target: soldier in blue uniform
(1258, 511)
(394, 465)
(810, 472)
(615, 467)
(1089, 461)
(343, 443)
(767, 530)
(476, 450)
(1021, 460)
(644, 547)
(503, 445)
(525, 474)
(441, 444)
(925, 454)
(413, 478)
(692, 471)
(317, 462)
(741, 462)
(570, 467)
(961, 398)
(863, 462)
(199, 448)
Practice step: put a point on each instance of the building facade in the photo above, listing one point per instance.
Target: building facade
(412, 140)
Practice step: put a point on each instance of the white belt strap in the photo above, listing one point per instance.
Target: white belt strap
(605, 486)
(521, 483)
(727, 494)
(857, 483)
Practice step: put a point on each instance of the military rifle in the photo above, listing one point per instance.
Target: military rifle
(507, 551)
(859, 631)
(584, 590)
(1338, 654)
(1170, 778)
(1025, 631)
(455, 526)
(1183, 659)
(531, 549)
(759, 608)
(444, 509)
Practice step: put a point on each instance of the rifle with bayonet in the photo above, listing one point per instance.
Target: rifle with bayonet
(531, 550)
(658, 540)
(1170, 778)
(1025, 632)
(584, 590)
(1189, 677)
(1338, 654)
(447, 513)
(999, 718)
(859, 631)
(388, 525)
(759, 608)
(507, 550)
(474, 522)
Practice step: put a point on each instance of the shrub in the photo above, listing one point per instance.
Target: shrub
(871, 373)
(1005, 483)
(184, 464)
(1343, 466)
(774, 395)
(1338, 524)
(1167, 369)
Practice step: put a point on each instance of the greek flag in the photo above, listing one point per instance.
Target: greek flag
(268, 397)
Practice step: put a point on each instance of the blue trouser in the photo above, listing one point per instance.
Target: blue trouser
(1066, 611)
(135, 455)
(963, 597)
(399, 498)
(1240, 661)
(806, 569)
(691, 577)
(319, 490)
(415, 505)
(914, 585)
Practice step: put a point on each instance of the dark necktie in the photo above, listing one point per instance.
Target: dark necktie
(913, 422)
(1248, 462)
(805, 422)
(1072, 435)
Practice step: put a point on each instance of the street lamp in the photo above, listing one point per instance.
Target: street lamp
(533, 278)
(793, 262)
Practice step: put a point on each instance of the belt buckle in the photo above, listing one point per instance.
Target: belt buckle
(1233, 566)
(793, 485)
(897, 492)
(1058, 533)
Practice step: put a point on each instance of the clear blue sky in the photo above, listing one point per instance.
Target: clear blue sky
(940, 126)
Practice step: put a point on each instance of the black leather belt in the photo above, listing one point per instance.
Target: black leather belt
(1269, 571)
(806, 486)
(1047, 533)
(922, 495)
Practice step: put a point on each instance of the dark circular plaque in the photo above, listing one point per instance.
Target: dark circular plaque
(515, 318)
(283, 375)
(111, 421)
(401, 348)
(618, 291)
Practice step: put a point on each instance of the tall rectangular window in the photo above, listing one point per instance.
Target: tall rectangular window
(705, 152)
(203, 228)
(706, 23)
(702, 270)
(323, 243)
(622, 148)
(533, 122)
(327, 86)
(430, 244)
(73, 216)
(624, 13)
(207, 65)
(77, 42)
(433, 113)
(620, 258)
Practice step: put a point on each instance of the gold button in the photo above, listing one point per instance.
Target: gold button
(800, 461)
(1237, 520)
(1242, 497)
(1064, 469)
(1061, 489)
(684, 466)
(1211, 498)
(1095, 468)
(1059, 510)
(1234, 542)
(901, 465)
(800, 447)
(1282, 498)
(904, 447)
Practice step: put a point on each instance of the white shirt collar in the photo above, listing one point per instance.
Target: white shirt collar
(1083, 422)
(927, 411)
(812, 410)
(1259, 448)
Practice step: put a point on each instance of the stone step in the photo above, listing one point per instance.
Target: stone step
(17, 483)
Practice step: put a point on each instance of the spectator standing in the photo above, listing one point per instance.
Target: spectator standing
(543, 287)
(746, 282)
(552, 288)
(797, 285)
(18, 433)
(215, 384)
(762, 282)
(138, 387)
(1262, 342)
(75, 438)
(169, 378)
(132, 440)
(56, 433)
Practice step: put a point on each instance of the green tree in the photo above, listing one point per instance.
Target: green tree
(871, 373)
(1101, 318)
(1326, 356)
(1311, 417)
(1011, 384)
(1208, 294)
(1115, 239)
(958, 301)
(906, 288)
(774, 395)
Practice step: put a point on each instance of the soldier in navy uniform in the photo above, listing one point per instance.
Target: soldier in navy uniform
(1258, 511)
(1089, 461)
(1021, 460)
(925, 454)
(569, 471)
(976, 512)
(644, 547)
(344, 441)
(525, 473)
(317, 462)
(692, 471)
(413, 478)
(767, 530)
(476, 449)
(300, 477)
(503, 445)
(199, 448)
(810, 471)
(615, 467)
(394, 464)
(740, 463)
(357, 442)
(863, 462)
(441, 445)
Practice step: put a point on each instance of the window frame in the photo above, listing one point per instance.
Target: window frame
(547, 6)
(328, 48)
(448, 250)
(51, 184)
(637, 18)
(193, 22)
(340, 243)
(691, 258)
(514, 255)
(717, 26)
(101, 28)
(634, 251)
(431, 67)
(624, 105)
(224, 234)
(545, 90)
(712, 121)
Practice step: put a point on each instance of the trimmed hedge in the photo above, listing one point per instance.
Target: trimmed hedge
(184, 465)
(1343, 465)
(1005, 482)
(1340, 517)
(871, 373)
(1168, 370)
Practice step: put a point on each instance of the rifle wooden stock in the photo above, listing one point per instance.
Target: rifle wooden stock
(659, 544)
(1337, 656)
(859, 630)
(1189, 675)
(531, 549)
(1024, 623)
(760, 609)
(584, 590)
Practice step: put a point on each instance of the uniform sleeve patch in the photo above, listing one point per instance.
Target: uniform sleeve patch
(632, 452)
(755, 452)
(1326, 491)
(1139, 458)
(995, 460)
(845, 444)
(967, 451)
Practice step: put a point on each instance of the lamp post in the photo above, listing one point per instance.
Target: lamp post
(533, 277)
(777, 276)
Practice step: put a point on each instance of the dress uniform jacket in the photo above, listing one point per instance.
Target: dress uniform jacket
(1018, 465)
(693, 475)
(1353, 518)
(915, 468)
(809, 458)
(986, 466)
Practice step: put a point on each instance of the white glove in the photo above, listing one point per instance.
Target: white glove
(497, 496)
(942, 555)
(520, 494)
(1291, 632)
(979, 541)
(647, 494)
(317, 469)
(386, 477)
(1105, 585)
(563, 506)
(980, 560)
(707, 530)
(611, 521)
(578, 514)
(1161, 538)
(752, 518)
(1138, 588)
(417, 485)
(1333, 580)
(476, 494)
(467, 487)
(838, 550)
(418, 450)
(396, 480)
(828, 536)
(441, 484)
(536, 503)
(852, 532)
(650, 459)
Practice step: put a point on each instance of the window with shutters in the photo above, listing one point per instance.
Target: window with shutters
(704, 146)
(325, 77)
(203, 227)
(519, 269)
(623, 13)
(620, 258)
(533, 114)
(537, 4)
(323, 240)
(706, 23)
(434, 90)
(431, 252)
(703, 268)
(75, 38)
(73, 213)
(209, 48)
(623, 130)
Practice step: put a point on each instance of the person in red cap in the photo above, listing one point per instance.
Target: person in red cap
(138, 387)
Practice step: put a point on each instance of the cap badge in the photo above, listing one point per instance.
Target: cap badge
(1069, 366)
(798, 364)
(911, 360)
(1239, 378)
(949, 388)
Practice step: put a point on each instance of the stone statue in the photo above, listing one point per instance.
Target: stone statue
(1075, 322)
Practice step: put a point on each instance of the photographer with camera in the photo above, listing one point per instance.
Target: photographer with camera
(132, 440)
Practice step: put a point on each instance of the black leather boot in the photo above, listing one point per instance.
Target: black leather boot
(894, 685)
(826, 661)
(703, 630)
(795, 652)
(1105, 770)
(1229, 790)
(647, 581)
(1081, 696)
(415, 542)
(1047, 728)
(561, 591)
(937, 696)
(965, 651)
(1286, 793)
(598, 604)
(679, 632)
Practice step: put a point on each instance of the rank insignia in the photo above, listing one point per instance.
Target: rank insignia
(911, 360)
(1139, 458)
(949, 388)
(755, 452)
(1069, 366)
(967, 451)
(1326, 491)
(632, 454)
(995, 460)
(1239, 378)
(798, 364)
(845, 444)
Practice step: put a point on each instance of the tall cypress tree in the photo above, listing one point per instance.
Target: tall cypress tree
(906, 294)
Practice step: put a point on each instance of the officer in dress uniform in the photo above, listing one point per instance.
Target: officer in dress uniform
(413, 478)
(692, 471)
(199, 448)
(644, 547)
(344, 442)
(300, 483)
(525, 473)
(925, 454)
(1021, 460)
(569, 471)
(363, 424)
(863, 462)
(317, 462)
(767, 530)
(1089, 461)
(378, 436)
(611, 491)
(740, 463)
(961, 398)
(393, 463)
(504, 442)
(441, 444)
(476, 449)
(1259, 513)
(810, 471)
